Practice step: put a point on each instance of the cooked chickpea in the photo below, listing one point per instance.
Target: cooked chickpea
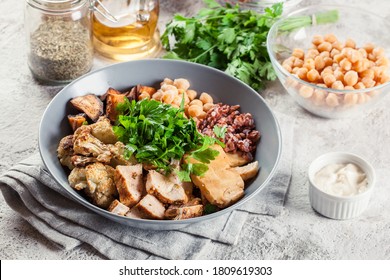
(359, 85)
(298, 63)
(166, 81)
(383, 61)
(334, 52)
(287, 67)
(181, 83)
(349, 88)
(206, 98)
(351, 78)
(177, 100)
(157, 95)
(332, 100)
(338, 57)
(354, 56)
(349, 43)
(369, 47)
(191, 94)
(305, 91)
(339, 75)
(361, 98)
(168, 97)
(295, 70)
(299, 53)
(143, 96)
(195, 110)
(360, 65)
(317, 39)
(170, 88)
(309, 64)
(325, 46)
(313, 75)
(301, 73)
(363, 52)
(368, 82)
(346, 64)
(327, 70)
(331, 38)
(367, 73)
(202, 115)
(384, 79)
(350, 98)
(337, 85)
(312, 53)
(329, 79)
(208, 106)
(196, 102)
(337, 46)
(328, 61)
(318, 97)
(319, 63)
(378, 52)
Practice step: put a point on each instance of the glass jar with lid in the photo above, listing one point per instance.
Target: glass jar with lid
(59, 39)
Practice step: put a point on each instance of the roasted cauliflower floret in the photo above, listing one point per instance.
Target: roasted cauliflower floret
(103, 131)
(65, 151)
(77, 179)
(101, 188)
(84, 143)
(118, 158)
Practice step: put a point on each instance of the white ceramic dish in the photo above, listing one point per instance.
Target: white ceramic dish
(337, 207)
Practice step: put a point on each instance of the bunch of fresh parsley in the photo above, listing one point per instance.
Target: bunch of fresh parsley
(225, 38)
(155, 133)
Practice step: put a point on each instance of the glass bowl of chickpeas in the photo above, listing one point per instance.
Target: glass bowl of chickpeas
(333, 70)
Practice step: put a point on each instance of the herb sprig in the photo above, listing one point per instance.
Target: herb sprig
(225, 38)
(155, 133)
(231, 39)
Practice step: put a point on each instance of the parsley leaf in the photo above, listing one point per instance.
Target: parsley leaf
(155, 133)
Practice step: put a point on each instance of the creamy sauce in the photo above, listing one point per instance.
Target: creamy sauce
(341, 179)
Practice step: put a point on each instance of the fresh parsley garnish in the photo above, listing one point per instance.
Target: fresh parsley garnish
(155, 133)
(231, 39)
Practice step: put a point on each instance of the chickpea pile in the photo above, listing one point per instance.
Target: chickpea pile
(173, 91)
(335, 65)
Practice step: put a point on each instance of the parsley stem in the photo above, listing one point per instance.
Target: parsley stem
(202, 54)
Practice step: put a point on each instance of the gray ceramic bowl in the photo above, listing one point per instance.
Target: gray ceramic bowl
(223, 88)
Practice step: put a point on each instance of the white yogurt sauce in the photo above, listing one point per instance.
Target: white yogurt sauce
(341, 179)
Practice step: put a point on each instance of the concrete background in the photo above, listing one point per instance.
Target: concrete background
(299, 233)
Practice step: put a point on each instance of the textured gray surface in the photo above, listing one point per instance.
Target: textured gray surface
(299, 233)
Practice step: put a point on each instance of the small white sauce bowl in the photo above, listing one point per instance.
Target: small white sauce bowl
(340, 207)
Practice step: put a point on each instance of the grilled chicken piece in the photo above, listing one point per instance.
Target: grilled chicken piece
(76, 121)
(135, 213)
(237, 159)
(151, 207)
(113, 98)
(65, 151)
(103, 131)
(184, 212)
(192, 209)
(129, 183)
(165, 188)
(118, 158)
(221, 185)
(248, 171)
(84, 143)
(77, 179)
(90, 104)
(101, 187)
(118, 208)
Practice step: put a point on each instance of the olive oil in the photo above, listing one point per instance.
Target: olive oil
(133, 36)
